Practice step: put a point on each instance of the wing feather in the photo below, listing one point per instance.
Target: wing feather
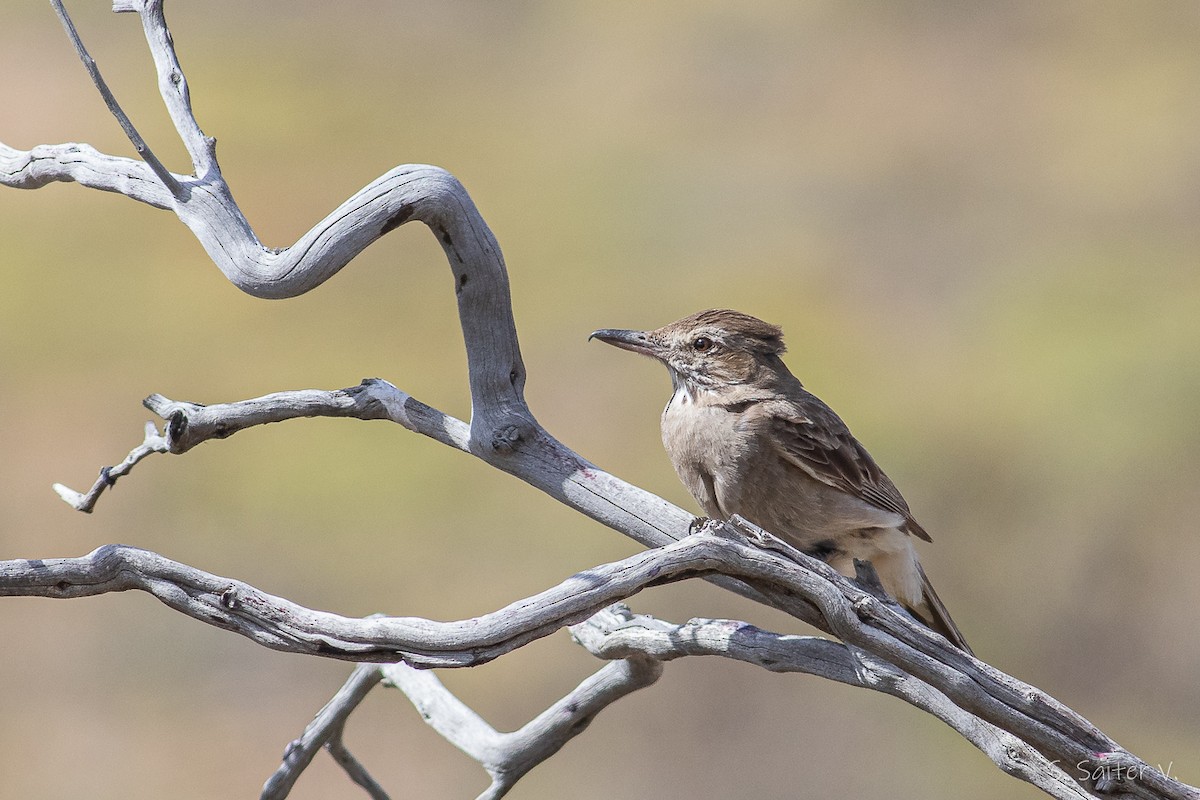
(810, 435)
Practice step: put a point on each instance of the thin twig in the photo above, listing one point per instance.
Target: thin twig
(327, 724)
(139, 144)
(153, 443)
(173, 87)
(353, 768)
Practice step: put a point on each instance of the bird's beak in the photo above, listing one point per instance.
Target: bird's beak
(634, 341)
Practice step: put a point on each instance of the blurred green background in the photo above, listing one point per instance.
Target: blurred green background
(975, 223)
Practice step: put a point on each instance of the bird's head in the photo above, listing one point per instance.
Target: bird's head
(710, 349)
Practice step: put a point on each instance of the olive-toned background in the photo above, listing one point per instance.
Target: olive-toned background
(977, 226)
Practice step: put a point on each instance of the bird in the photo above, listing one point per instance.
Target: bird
(747, 438)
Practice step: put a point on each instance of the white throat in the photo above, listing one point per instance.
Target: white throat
(686, 393)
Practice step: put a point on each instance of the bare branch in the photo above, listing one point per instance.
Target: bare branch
(135, 138)
(616, 632)
(500, 417)
(860, 620)
(540, 461)
(153, 443)
(82, 164)
(356, 771)
(191, 424)
(507, 757)
(325, 729)
(282, 625)
(172, 84)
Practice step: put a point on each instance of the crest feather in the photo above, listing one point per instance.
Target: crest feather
(766, 337)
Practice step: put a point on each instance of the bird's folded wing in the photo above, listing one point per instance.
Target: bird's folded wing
(817, 441)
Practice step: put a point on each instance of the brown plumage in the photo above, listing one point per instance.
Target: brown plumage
(747, 438)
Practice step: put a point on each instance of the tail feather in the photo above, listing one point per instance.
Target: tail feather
(935, 616)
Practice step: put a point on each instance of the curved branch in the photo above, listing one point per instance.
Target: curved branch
(204, 202)
(83, 164)
(617, 632)
(781, 573)
(502, 430)
(283, 625)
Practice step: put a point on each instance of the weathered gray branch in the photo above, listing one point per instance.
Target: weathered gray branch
(355, 770)
(507, 757)
(500, 417)
(1025, 731)
(539, 459)
(978, 690)
(502, 429)
(618, 633)
(86, 501)
(135, 138)
(282, 625)
(326, 731)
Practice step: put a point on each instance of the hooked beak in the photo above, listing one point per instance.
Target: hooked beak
(634, 341)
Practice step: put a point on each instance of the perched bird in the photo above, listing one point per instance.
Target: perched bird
(746, 438)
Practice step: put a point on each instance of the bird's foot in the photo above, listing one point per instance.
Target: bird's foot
(764, 539)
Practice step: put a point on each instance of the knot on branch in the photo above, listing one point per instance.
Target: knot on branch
(375, 398)
(506, 438)
(176, 429)
(177, 432)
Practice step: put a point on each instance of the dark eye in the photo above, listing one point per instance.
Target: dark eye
(702, 343)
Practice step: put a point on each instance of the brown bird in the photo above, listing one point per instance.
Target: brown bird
(746, 438)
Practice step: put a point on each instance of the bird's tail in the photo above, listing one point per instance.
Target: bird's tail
(935, 616)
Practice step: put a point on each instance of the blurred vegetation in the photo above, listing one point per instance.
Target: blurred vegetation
(975, 223)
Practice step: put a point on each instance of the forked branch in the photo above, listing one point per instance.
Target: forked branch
(968, 694)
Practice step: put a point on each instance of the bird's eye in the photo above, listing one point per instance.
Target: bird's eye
(702, 343)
